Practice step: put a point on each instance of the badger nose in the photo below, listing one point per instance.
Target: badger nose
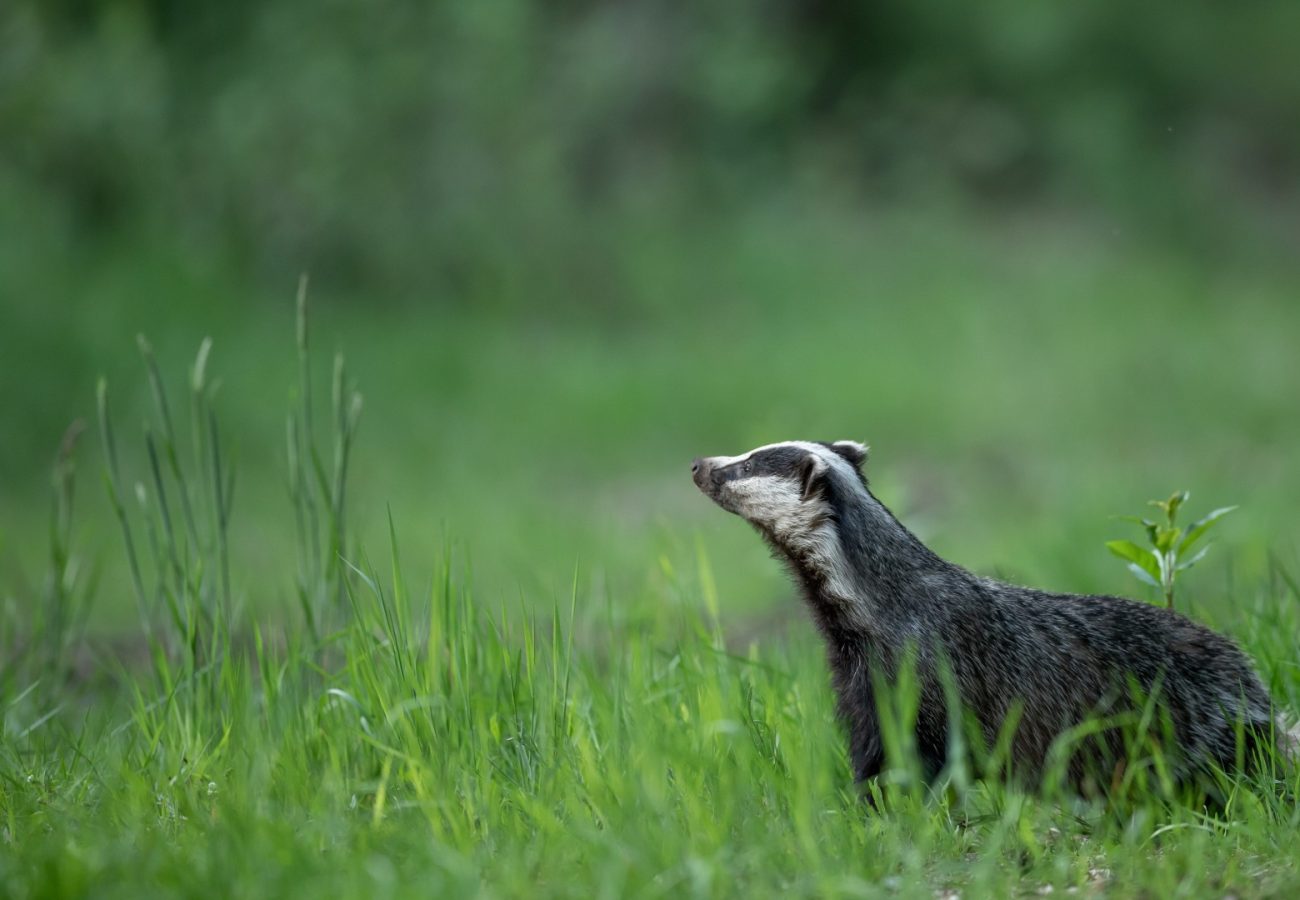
(699, 469)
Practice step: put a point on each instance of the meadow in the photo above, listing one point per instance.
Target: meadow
(508, 650)
(448, 617)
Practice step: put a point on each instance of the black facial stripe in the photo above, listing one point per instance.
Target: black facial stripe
(781, 461)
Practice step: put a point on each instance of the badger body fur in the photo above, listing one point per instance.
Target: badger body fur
(882, 600)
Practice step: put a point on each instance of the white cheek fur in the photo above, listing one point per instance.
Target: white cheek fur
(777, 504)
(764, 499)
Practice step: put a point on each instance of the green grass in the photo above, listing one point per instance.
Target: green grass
(438, 744)
(578, 678)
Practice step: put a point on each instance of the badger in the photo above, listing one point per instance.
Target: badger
(984, 655)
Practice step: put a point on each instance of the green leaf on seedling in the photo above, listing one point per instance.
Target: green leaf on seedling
(1126, 550)
(1175, 501)
(1143, 559)
(1142, 575)
(1170, 507)
(1202, 525)
(1187, 564)
(1166, 538)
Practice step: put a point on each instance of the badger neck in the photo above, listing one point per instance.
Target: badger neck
(862, 572)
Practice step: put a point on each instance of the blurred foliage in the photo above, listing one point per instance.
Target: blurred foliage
(424, 145)
(569, 246)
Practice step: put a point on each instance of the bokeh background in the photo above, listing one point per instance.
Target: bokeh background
(1043, 258)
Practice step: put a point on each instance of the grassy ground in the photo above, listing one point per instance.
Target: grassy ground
(658, 723)
(470, 753)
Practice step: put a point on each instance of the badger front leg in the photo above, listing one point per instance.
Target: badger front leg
(868, 759)
(866, 749)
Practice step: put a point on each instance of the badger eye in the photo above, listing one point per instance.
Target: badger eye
(746, 468)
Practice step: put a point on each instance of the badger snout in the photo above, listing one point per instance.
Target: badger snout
(708, 476)
(701, 473)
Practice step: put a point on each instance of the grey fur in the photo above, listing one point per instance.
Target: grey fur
(877, 593)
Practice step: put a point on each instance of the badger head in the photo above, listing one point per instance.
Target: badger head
(784, 490)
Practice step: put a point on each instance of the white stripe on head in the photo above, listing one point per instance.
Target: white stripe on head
(721, 461)
(821, 451)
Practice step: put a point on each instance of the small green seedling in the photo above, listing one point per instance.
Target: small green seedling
(1171, 547)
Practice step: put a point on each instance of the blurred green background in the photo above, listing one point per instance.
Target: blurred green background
(1041, 257)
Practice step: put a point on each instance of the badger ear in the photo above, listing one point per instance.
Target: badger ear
(812, 469)
(854, 452)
